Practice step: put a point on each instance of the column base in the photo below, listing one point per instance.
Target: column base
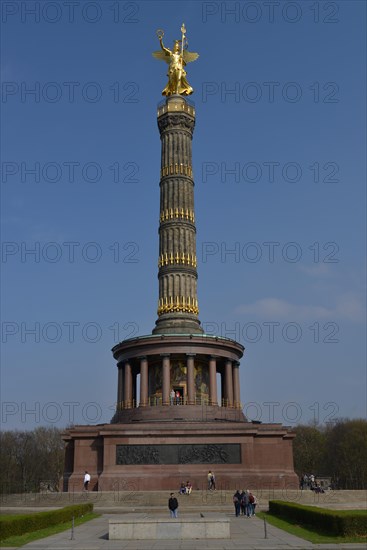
(170, 324)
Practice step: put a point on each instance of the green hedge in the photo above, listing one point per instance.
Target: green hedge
(334, 522)
(18, 525)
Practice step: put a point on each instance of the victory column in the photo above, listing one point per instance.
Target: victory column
(154, 442)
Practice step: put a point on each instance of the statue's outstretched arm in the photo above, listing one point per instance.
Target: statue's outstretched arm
(166, 50)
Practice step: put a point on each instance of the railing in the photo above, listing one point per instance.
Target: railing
(190, 102)
(174, 402)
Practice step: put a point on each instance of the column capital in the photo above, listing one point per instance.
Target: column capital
(165, 355)
(142, 357)
(190, 354)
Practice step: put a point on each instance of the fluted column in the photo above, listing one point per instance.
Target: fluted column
(228, 383)
(177, 262)
(236, 385)
(128, 386)
(190, 380)
(213, 397)
(143, 381)
(166, 379)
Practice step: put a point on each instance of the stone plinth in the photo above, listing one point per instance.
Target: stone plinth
(143, 527)
(139, 456)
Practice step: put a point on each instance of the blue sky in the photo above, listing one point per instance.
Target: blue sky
(279, 168)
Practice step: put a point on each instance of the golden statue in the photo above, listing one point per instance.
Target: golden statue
(177, 59)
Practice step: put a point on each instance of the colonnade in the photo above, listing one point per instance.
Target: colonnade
(129, 370)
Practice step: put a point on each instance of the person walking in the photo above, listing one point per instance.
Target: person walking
(209, 480)
(245, 503)
(172, 396)
(251, 501)
(212, 482)
(237, 503)
(173, 506)
(86, 480)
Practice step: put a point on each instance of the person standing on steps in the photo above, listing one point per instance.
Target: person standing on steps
(173, 506)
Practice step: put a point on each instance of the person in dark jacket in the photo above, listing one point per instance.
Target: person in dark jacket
(237, 503)
(173, 506)
(244, 503)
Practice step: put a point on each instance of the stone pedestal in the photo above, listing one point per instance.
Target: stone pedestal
(190, 527)
(150, 456)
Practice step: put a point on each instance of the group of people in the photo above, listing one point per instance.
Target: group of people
(174, 397)
(308, 481)
(244, 503)
(186, 489)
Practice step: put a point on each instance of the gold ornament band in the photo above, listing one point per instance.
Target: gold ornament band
(177, 259)
(177, 213)
(176, 169)
(179, 303)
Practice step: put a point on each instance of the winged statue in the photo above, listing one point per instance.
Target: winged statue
(177, 59)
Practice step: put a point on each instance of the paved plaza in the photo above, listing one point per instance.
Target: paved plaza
(245, 533)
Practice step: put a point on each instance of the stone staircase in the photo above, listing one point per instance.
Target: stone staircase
(156, 501)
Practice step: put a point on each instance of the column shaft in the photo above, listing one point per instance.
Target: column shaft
(177, 263)
(143, 382)
(128, 386)
(222, 389)
(228, 383)
(166, 379)
(120, 388)
(236, 386)
(134, 396)
(213, 397)
(190, 380)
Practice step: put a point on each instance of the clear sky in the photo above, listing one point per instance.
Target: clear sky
(279, 168)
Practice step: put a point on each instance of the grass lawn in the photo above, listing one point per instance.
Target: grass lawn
(306, 532)
(20, 540)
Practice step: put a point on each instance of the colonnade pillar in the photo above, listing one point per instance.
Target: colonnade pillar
(190, 379)
(236, 385)
(128, 386)
(228, 383)
(166, 378)
(120, 387)
(213, 395)
(143, 381)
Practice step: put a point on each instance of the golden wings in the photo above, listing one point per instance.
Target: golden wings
(188, 57)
